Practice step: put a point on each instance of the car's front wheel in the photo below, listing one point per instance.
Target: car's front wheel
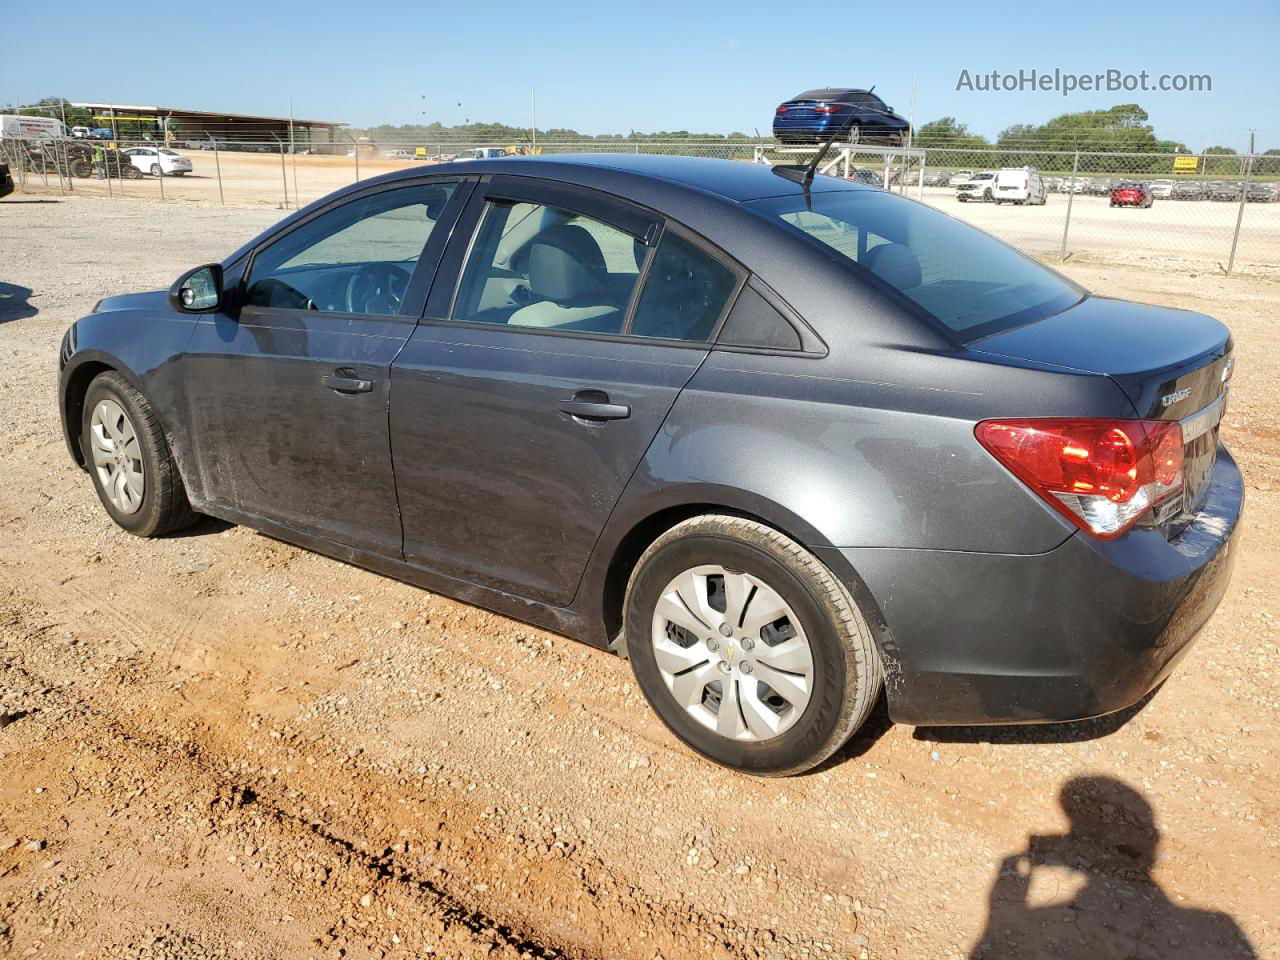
(130, 461)
(156, 171)
(749, 649)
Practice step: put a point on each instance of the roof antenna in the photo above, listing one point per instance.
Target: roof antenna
(822, 152)
(804, 176)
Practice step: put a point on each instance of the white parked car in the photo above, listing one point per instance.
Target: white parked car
(1162, 189)
(981, 186)
(1020, 185)
(158, 161)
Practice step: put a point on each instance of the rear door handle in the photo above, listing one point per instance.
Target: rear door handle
(346, 384)
(594, 405)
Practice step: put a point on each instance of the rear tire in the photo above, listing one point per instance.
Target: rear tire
(156, 171)
(818, 650)
(120, 433)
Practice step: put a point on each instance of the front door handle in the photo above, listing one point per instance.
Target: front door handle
(346, 384)
(594, 405)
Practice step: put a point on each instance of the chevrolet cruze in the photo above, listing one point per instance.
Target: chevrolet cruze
(783, 442)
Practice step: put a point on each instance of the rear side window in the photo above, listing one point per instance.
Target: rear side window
(962, 278)
(755, 323)
(540, 266)
(684, 294)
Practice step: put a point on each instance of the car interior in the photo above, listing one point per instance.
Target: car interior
(534, 265)
(539, 266)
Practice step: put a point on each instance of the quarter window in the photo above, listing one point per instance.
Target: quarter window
(685, 293)
(539, 266)
(355, 258)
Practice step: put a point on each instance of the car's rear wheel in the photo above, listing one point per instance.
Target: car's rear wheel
(748, 648)
(129, 459)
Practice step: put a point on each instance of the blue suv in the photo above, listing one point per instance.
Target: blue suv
(858, 116)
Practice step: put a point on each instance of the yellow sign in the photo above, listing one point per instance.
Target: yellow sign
(420, 153)
(1186, 164)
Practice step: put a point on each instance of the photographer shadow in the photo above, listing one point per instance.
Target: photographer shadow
(1118, 910)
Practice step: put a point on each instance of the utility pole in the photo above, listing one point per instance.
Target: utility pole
(911, 129)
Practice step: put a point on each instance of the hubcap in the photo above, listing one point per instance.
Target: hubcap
(732, 652)
(117, 456)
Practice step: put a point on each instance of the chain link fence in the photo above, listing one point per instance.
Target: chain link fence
(1204, 212)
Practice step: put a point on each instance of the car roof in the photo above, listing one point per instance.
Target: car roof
(828, 92)
(617, 172)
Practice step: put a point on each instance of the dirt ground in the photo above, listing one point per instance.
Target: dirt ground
(1187, 235)
(219, 746)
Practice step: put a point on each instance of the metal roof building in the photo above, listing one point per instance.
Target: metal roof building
(188, 124)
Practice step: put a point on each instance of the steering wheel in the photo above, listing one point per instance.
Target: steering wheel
(377, 288)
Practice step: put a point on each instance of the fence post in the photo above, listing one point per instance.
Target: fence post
(1071, 196)
(924, 159)
(217, 165)
(1244, 198)
(119, 166)
(284, 173)
(66, 165)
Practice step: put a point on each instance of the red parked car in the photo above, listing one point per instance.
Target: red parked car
(1129, 194)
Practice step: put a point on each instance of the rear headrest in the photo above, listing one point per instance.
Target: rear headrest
(895, 264)
(566, 266)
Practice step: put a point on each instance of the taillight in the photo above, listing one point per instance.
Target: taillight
(1103, 475)
(825, 108)
(781, 111)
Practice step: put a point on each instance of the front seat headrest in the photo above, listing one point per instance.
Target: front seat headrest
(895, 264)
(566, 266)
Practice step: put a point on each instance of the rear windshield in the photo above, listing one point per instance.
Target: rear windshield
(958, 276)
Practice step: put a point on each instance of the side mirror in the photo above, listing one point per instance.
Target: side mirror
(198, 290)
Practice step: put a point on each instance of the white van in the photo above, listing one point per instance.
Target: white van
(483, 153)
(22, 127)
(1020, 185)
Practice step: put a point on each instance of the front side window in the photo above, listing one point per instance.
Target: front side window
(534, 265)
(355, 258)
(684, 294)
(964, 279)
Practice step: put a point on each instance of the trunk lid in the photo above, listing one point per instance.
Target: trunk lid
(1172, 365)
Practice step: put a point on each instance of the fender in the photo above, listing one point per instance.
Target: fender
(144, 344)
(647, 508)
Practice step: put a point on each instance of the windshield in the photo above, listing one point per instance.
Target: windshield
(958, 276)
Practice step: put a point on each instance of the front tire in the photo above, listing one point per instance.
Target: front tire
(747, 647)
(156, 171)
(129, 459)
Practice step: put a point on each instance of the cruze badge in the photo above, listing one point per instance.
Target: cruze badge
(1169, 399)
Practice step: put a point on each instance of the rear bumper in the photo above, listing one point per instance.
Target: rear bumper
(1083, 630)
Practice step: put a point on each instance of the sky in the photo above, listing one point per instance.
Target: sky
(604, 67)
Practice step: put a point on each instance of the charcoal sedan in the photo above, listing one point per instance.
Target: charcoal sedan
(783, 443)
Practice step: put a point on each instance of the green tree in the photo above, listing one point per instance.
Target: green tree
(1233, 166)
(947, 132)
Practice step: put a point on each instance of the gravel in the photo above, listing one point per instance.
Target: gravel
(250, 751)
